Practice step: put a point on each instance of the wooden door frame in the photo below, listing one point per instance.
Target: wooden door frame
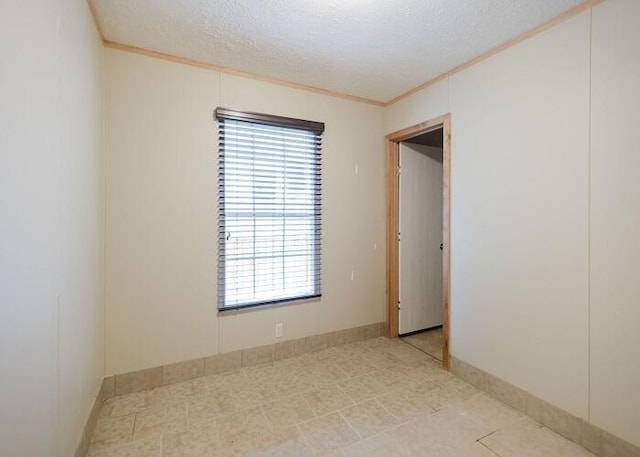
(392, 181)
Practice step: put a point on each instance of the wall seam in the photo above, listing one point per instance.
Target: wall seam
(589, 93)
(104, 212)
(57, 430)
(448, 94)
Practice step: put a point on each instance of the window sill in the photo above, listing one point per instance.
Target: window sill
(268, 304)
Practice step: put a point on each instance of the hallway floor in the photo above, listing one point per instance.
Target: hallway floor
(379, 397)
(428, 341)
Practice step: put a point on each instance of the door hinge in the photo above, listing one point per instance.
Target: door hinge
(399, 171)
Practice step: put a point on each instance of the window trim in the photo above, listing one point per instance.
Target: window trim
(269, 119)
(221, 114)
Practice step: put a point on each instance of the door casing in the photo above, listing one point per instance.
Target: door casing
(392, 155)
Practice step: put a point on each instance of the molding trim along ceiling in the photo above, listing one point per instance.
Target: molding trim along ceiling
(587, 4)
(539, 29)
(230, 71)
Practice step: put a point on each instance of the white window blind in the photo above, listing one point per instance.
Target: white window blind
(269, 209)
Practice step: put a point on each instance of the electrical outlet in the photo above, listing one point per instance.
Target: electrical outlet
(353, 275)
(279, 330)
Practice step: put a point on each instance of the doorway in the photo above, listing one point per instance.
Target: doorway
(418, 252)
(420, 241)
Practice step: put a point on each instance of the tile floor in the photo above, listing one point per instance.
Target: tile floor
(429, 342)
(379, 397)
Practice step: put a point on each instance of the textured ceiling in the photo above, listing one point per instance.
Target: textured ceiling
(375, 49)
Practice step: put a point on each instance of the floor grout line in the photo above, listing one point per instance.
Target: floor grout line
(487, 447)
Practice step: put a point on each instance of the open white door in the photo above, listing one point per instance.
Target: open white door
(420, 256)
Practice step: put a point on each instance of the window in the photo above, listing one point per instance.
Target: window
(269, 209)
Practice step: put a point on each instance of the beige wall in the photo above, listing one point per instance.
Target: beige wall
(161, 206)
(544, 211)
(615, 219)
(519, 237)
(51, 234)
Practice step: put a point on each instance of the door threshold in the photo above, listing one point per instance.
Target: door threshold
(435, 327)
